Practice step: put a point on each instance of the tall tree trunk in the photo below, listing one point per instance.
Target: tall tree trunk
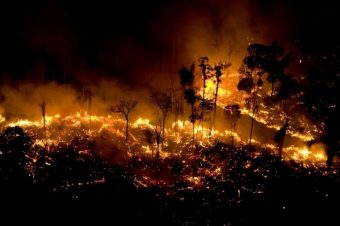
(158, 137)
(126, 129)
(163, 131)
(193, 125)
(251, 127)
(203, 105)
(43, 112)
(215, 104)
(193, 133)
(44, 117)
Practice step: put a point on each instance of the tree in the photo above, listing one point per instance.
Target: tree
(205, 75)
(275, 63)
(260, 60)
(43, 113)
(280, 136)
(190, 95)
(218, 69)
(191, 98)
(125, 107)
(187, 76)
(269, 60)
(248, 85)
(163, 103)
(233, 113)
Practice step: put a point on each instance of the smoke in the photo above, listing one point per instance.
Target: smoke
(129, 52)
(23, 100)
(144, 47)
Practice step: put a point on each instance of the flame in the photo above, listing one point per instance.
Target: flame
(78, 124)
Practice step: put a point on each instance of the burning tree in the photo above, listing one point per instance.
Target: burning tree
(233, 113)
(163, 103)
(125, 107)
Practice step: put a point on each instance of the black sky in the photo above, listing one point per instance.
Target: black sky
(95, 34)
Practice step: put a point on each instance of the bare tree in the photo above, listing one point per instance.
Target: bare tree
(125, 107)
(154, 136)
(164, 104)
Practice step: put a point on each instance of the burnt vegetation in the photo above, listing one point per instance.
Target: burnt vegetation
(210, 181)
(186, 114)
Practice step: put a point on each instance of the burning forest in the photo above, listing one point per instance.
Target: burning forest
(173, 112)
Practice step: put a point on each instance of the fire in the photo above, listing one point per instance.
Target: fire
(271, 118)
(24, 123)
(315, 154)
(142, 122)
(61, 129)
(210, 90)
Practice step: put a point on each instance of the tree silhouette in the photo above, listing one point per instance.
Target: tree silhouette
(163, 103)
(43, 113)
(190, 95)
(206, 70)
(218, 70)
(125, 107)
(260, 60)
(280, 136)
(233, 113)
(275, 63)
(248, 85)
(191, 98)
(186, 76)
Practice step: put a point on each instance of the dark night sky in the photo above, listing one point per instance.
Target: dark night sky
(98, 34)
